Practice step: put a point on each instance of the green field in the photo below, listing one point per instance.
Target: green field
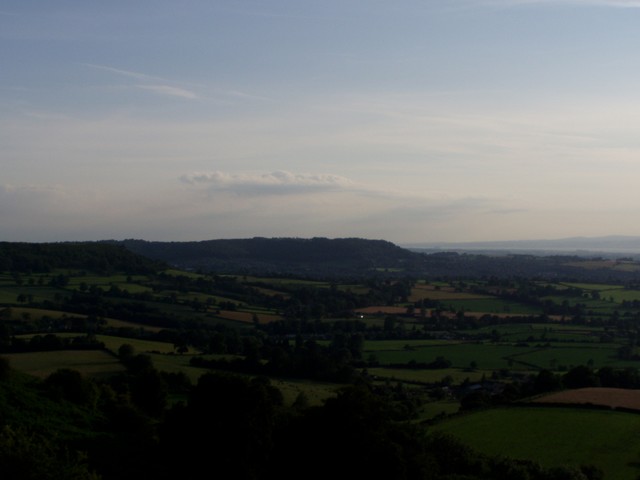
(569, 355)
(393, 345)
(592, 286)
(491, 305)
(93, 363)
(523, 332)
(276, 281)
(569, 348)
(621, 295)
(98, 361)
(431, 410)
(140, 346)
(457, 375)
(177, 364)
(444, 296)
(315, 392)
(555, 437)
(9, 293)
(486, 356)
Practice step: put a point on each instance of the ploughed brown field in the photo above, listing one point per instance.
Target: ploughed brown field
(610, 397)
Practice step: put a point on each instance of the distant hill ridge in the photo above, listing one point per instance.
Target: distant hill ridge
(321, 257)
(607, 244)
(316, 258)
(277, 254)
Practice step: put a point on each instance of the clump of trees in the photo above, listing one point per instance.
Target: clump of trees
(305, 359)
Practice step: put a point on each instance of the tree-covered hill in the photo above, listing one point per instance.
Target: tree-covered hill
(318, 258)
(357, 257)
(280, 255)
(91, 256)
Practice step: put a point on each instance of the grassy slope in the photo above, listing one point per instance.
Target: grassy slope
(555, 436)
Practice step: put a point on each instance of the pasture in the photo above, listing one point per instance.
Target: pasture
(139, 345)
(623, 295)
(315, 392)
(485, 356)
(537, 332)
(129, 283)
(177, 364)
(93, 363)
(610, 295)
(455, 375)
(277, 281)
(569, 355)
(404, 344)
(592, 286)
(456, 300)
(555, 355)
(431, 410)
(490, 305)
(554, 437)
(33, 315)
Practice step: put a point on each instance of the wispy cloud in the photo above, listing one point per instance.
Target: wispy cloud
(126, 73)
(161, 86)
(274, 183)
(242, 95)
(168, 90)
(164, 86)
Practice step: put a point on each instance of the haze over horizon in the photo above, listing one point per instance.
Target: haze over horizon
(411, 121)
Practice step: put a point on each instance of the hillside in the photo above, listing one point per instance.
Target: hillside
(357, 257)
(92, 256)
(317, 256)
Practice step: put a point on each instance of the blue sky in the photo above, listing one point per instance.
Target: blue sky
(412, 121)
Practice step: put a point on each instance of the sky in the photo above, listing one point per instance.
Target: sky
(410, 121)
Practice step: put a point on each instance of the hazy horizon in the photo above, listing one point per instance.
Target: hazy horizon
(412, 121)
